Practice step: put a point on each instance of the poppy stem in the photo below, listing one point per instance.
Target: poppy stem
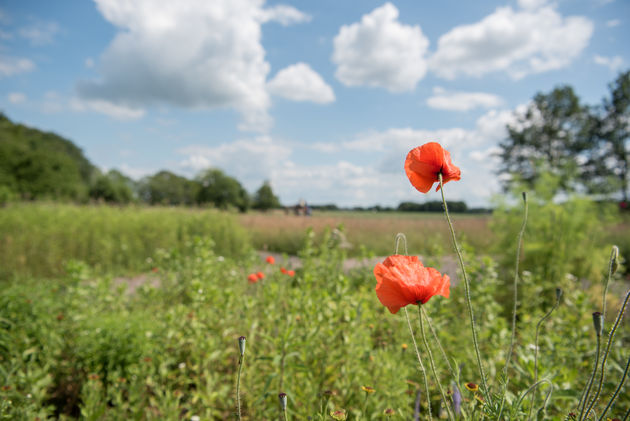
(519, 243)
(422, 369)
(540, 322)
(432, 362)
(238, 386)
(466, 293)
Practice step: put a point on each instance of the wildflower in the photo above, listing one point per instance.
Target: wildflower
(241, 344)
(404, 347)
(389, 412)
(93, 376)
(403, 280)
(283, 270)
(270, 260)
(252, 278)
(368, 389)
(260, 275)
(426, 162)
(283, 400)
(291, 272)
(339, 415)
(473, 387)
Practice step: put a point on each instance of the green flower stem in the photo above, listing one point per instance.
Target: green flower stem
(611, 336)
(422, 370)
(432, 362)
(519, 243)
(440, 347)
(467, 294)
(540, 322)
(589, 384)
(241, 360)
(614, 396)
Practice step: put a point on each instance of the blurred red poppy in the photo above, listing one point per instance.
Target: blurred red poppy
(426, 162)
(403, 280)
(260, 275)
(270, 260)
(252, 278)
(283, 270)
(290, 272)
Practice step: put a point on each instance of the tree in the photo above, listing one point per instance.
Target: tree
(221, 190)
(608, 130)
(546, 138)
(112, 187)
(264, 199)
(167, 188)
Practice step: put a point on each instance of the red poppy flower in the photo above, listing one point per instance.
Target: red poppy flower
(283, 270)
(260, 275)
(403, 280)
(270, 260)
(426, 162)
(291, 272)
(252, 278)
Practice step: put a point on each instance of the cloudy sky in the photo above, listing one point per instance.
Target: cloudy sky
(322, 98)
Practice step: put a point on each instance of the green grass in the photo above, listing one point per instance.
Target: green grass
(37, 238)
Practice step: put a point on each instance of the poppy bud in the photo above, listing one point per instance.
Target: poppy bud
(283, 401)
(614, 259)
(597, 323)
(241, 345)
(558, 293)
(524, 196)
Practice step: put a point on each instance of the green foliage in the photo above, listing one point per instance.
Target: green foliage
(221, 191)
(166, 188)
(561, 239)
(38, 164)
(432, 206)
(36, 239)
(112, 187)
(264, 199)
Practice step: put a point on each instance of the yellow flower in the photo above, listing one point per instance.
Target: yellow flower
(473, 387)
(368, 389)
(339, 415)
(389, 412)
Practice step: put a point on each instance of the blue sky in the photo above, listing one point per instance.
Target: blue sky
(322, 98)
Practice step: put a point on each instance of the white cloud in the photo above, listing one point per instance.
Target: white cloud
(190, 53)
(613, 63)
(532, 4)
(119, 112)
(462, 101)
(517, 42)
(284, 15)
(612, 23)
(16, 98)
(299, 82)
(40, 33)
(380, 51)
(10, 66)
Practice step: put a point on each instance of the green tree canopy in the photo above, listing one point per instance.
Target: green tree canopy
(167, 188)
(264, 199)
(547, 137)
(221, 190)
(112, 187)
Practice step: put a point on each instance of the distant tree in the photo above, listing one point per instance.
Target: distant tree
(547, 138)
(264, 199)
(432, 206)
(112, 187)
(167, 188)
(608, 131)
(221, 190)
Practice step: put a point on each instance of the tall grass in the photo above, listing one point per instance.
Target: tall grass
(36, 239)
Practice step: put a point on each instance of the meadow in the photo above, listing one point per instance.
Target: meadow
(76, 343)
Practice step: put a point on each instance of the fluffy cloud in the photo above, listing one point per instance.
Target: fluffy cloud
(380, 51)
(10, 66)
(284, 15)
(190, 53)
(299, 82)
(40, 33)
(613, 63)
(533, 40)
(16, 98)
(462, 101)
(119, 112)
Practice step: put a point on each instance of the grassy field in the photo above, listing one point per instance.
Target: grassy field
(75, 343)
(427, 233)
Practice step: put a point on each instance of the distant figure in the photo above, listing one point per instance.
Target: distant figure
(301, 208)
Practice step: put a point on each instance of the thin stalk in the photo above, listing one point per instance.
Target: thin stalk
(400, 236)
(422, 370)
(611, 336)
(533, 387)
(519, 244)
(432, 362)
(241, 359)
(284, 414)
(540, 322)
(587, 390)
(440, 347)
(614, 396)
(467, 295)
